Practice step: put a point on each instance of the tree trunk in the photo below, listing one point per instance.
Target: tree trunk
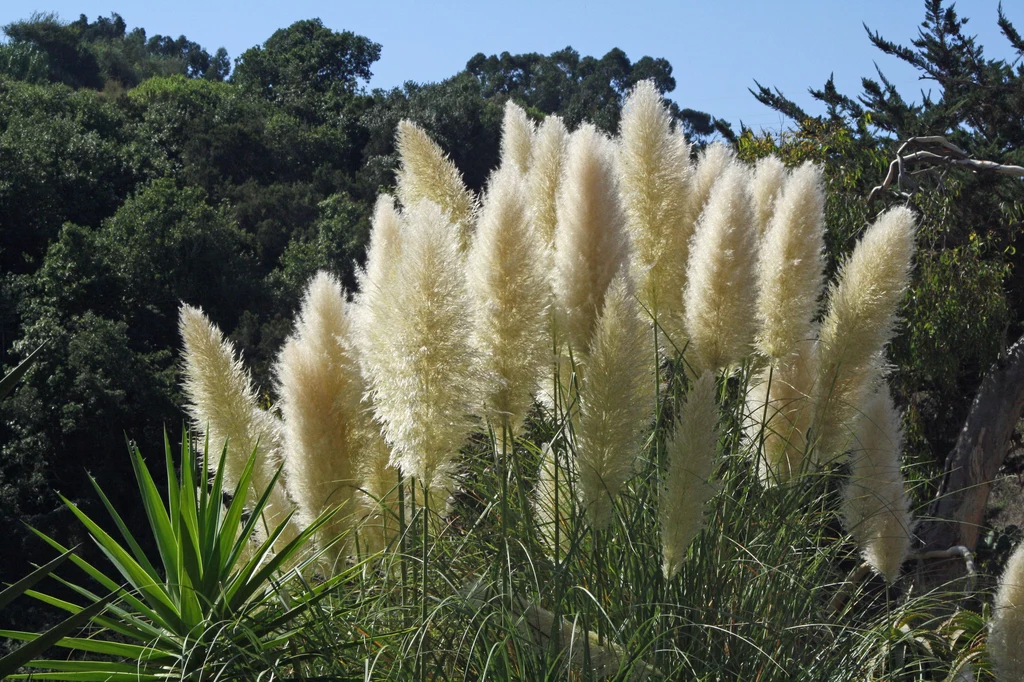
(956, 516)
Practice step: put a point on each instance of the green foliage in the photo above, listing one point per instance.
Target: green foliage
(213, 600)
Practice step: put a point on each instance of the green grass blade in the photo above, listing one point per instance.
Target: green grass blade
(11, 379)
(159, 522)
(96, 646)
(17, 589)
(25, 654)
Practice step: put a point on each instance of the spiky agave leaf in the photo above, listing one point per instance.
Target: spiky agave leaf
(875, 505)
(654, 178)
(509, 295)
(691, 461)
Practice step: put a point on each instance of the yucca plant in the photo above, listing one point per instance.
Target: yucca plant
(216, 602)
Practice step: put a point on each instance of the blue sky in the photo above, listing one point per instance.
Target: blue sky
(716, 47)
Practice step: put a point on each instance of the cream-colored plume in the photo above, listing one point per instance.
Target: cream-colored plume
(1006, 639)
(377, 498)
(616, 401)
(378, 288)
(321, 392)
(419, 362)
(858, 325)
(791, 265)
(780, 407)
(545, 176)
(223, 406)
(509, 293)
(590, 240)
(765, 186)
(875, 505)
(712, 162)
(516, 137)
(426, 172)
(691, 461)
(721, 289)
(553, 503)
(654, 178)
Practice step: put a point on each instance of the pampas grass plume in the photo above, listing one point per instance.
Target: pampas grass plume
(616, 401)
(516, 137)
(509, 293)
(691, 457)
(712, 162)
(547, 161)
(859, 323)
(321, 392)
(875, 505)
(426, 172)
(721, 278)
(420, 366)
(765, 186)
(1006, 639)
(791, 264)
(654, 174)
(223, 407)
(590, 240)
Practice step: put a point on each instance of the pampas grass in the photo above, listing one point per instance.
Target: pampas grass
(765, 185)
(791, 264)
(590, 240)
(321, 392)
(654, 173)
(426, 172)
(516, 138)
(875, 507)
(544, 177)
(859, 323)
(691, 459)
(616, 402)
(1006, 640)
(419, 369)
(509, 295)
(721, 277)
(711, 163)
(223, 406)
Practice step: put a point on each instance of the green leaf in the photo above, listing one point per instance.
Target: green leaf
(19, 588)
(10, 380)
(25, 654)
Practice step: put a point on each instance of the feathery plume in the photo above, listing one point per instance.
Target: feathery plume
(875, 505)
(616, 401)
(378, 288)
(426, 172)
(1006, 639)
(516, 137)
(553, 502)
(858, 325)
(545, 176)
(780, 407)
(712, 163)
(791, 265)
(509, 294)
(654, 174)
(721, 277)
(321, 392)
(377, 497)
(419, 361)
(765, 186)
(590, 241)
(691, 459)
(223, 407)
